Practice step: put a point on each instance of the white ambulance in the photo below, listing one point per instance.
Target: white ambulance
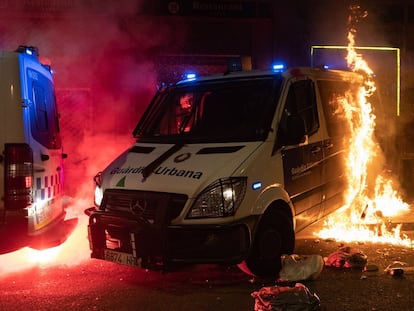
(31, 167)
(225, 169)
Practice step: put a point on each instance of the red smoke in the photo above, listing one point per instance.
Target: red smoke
(104, 77)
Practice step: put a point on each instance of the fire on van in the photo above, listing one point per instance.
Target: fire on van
(225, 169)
(31, 162)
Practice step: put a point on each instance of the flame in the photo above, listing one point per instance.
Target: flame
(371, 199)
(73, 251)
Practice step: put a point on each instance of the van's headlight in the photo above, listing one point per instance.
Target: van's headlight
(220, 199)
(98, 195)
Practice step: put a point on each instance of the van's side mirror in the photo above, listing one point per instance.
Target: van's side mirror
(295, 129)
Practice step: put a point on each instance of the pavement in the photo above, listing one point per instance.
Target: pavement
(98, 285)
(358, 289)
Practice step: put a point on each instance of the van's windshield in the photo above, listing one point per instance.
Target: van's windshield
(214, 111)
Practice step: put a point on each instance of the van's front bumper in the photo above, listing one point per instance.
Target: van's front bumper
(135, 242)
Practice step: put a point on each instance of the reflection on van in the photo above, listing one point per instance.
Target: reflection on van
(225, 170)
(31, 164)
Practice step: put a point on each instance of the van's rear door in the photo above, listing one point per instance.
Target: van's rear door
(43, 136)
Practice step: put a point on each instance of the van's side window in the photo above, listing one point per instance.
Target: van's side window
(43, 113)
(40, 108)
(332, 94)
(301, 102)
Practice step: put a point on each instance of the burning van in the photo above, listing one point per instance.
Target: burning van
(225, 169)
(31, 168)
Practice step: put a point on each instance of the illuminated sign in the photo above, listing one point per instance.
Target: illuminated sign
(237, 9)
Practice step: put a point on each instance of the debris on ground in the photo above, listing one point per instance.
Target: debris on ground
(346, 257)
(397, 268)
(300, 267)
(278, 298)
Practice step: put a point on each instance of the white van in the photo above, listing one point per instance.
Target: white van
(31, 169)
(225, 169)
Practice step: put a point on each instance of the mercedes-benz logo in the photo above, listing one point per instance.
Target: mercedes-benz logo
(139, 207)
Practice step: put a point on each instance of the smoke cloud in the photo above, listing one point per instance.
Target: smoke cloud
(105, 76)
(104, 73)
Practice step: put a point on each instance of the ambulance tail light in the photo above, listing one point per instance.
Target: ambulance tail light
(18, 176)
(220, 199)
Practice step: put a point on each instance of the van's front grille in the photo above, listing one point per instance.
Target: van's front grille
(155, 208)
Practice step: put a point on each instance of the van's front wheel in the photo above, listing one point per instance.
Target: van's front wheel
(275, 236)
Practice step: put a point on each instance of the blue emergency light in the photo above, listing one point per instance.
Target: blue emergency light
(278, 67)
(29, 50)
(190, 76)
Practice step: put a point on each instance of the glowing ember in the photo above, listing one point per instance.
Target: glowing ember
(370, 196)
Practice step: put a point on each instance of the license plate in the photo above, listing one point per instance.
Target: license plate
(43, 215)
(122, 258)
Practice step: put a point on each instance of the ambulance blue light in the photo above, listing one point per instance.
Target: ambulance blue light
(278, 67)
(257, 185)
(28, 52)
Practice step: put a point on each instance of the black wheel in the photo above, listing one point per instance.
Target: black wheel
(275, 236)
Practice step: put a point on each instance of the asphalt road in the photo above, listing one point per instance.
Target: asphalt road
(80, 283)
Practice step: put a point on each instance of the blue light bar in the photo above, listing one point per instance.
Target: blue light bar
(29, 50)
(190, 76)
(278, 67)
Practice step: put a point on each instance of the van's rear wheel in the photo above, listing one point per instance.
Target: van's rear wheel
(275, 236)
